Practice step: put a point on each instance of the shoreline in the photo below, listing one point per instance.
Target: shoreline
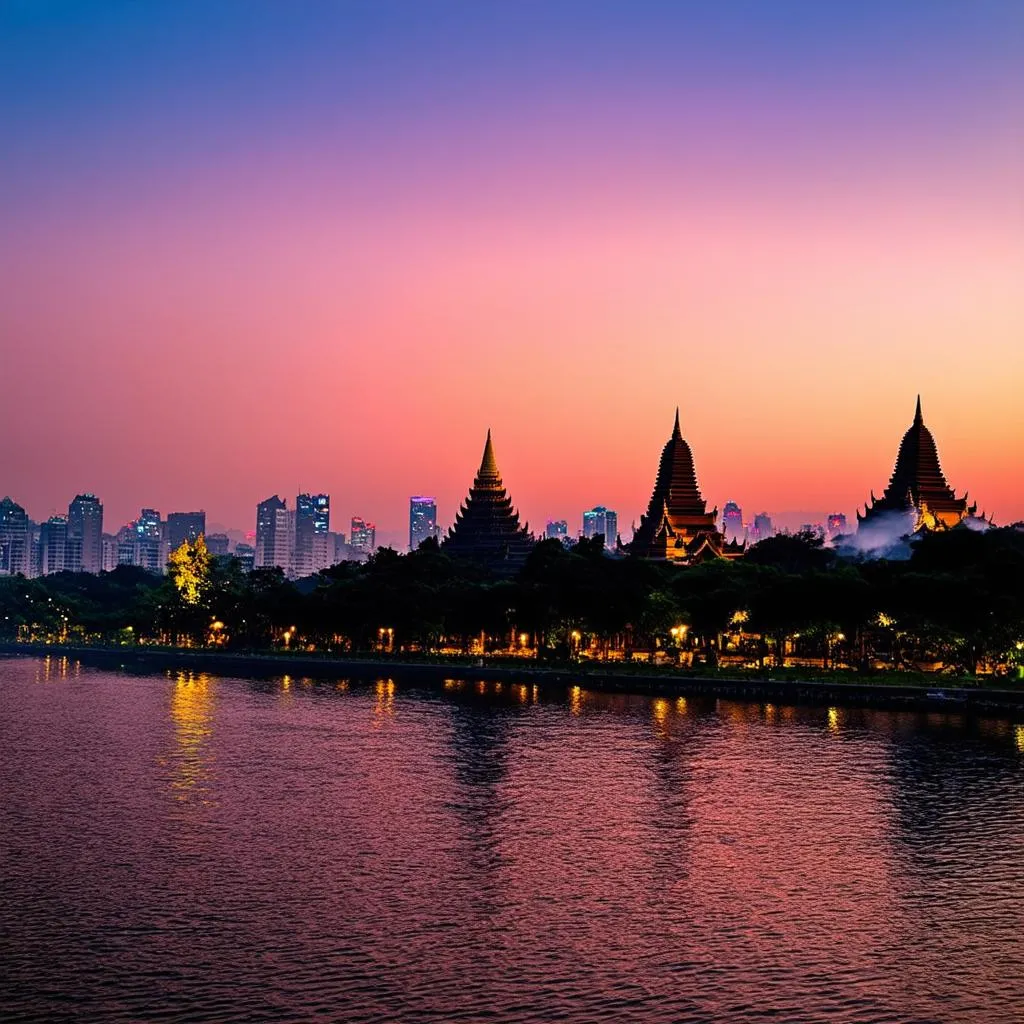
(653, 683)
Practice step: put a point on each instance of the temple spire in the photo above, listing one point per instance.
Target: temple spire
(488, 464)
(676, 432)
(917, 412)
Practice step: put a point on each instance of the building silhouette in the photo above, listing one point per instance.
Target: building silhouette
(486, 528)
(556, 529)
(835, 524)
(422, 520)
(917, 497)
(677, 526)
(313, 547)
(732, 522)
(274, 535)
(603, 522)
(184, 526)
(53, 541)
(362, 536)
(762, 528)
(85, 534)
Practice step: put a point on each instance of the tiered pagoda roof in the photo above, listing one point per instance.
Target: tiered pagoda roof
(917, 488)
(486, 527)
(678, 526)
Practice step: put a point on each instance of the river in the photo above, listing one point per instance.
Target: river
(186, 847)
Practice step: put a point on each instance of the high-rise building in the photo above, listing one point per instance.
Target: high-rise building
(678, 526)
(14, 539)
(184, 526)
(556, 529)
(762, 528)
(246, 555)
(601, 521)
(53, 540)
(85, 534)
(836, 524)
(273, 539)
(108, 548)
(732, 522)
(313, 548)
(363, 536)
(422, 520)
(218, 543)
(150, 542)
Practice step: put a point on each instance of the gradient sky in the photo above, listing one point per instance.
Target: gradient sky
(253, 247)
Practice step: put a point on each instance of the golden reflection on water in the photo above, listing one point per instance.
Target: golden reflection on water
(192, 700)
(833, 720)
(575, 700)
(1018, 738)
(385, 693)
(52, 669)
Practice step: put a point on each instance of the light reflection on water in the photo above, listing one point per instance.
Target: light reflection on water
(214, 849)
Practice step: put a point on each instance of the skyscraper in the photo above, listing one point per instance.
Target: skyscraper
(150, 541)
(184, 526)
(836, 524)
(314, 550)
(732, 522)
(556, 529)
(85, 534)
(601, 521)
(363, 536)
(14, 539)
(762, 528)
(218, 543)
(422, 520)
(273, 543)
(53, 538)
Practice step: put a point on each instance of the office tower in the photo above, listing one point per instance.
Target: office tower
(85, 534)
(218, 543)
(603, 522)
(341, 551)
(14, 539)
(486, 528)
(273, 542)
(108, 548)
(557, 529)
(313, 548)
(246, 555)
(184, 526)
(53, 538)
(732, 522)
(422, 520)
(762, 528)
(678, 526)
(150, 550)
(362, 536)
(836, 524)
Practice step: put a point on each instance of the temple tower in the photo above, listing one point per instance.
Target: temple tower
(917, 493)
(486, 527)
(678, 526)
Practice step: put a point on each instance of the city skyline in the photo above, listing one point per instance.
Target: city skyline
(483, 216)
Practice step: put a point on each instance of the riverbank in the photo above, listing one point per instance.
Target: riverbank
(593, 676)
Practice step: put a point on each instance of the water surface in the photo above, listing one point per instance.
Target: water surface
(193, 848)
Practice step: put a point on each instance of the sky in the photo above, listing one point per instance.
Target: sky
(253, 247)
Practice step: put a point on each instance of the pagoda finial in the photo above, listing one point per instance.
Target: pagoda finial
(676, 432)
(917, 412)
(488, 464)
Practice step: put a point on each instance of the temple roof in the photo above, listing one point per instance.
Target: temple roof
(917, 481)
(487, 526)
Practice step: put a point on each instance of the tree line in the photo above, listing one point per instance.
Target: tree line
(957, 604)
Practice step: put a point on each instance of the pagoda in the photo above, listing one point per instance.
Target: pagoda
(918, 497)
(486, 527)
(678, 527)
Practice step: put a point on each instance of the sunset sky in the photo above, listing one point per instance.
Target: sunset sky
(255, 247)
